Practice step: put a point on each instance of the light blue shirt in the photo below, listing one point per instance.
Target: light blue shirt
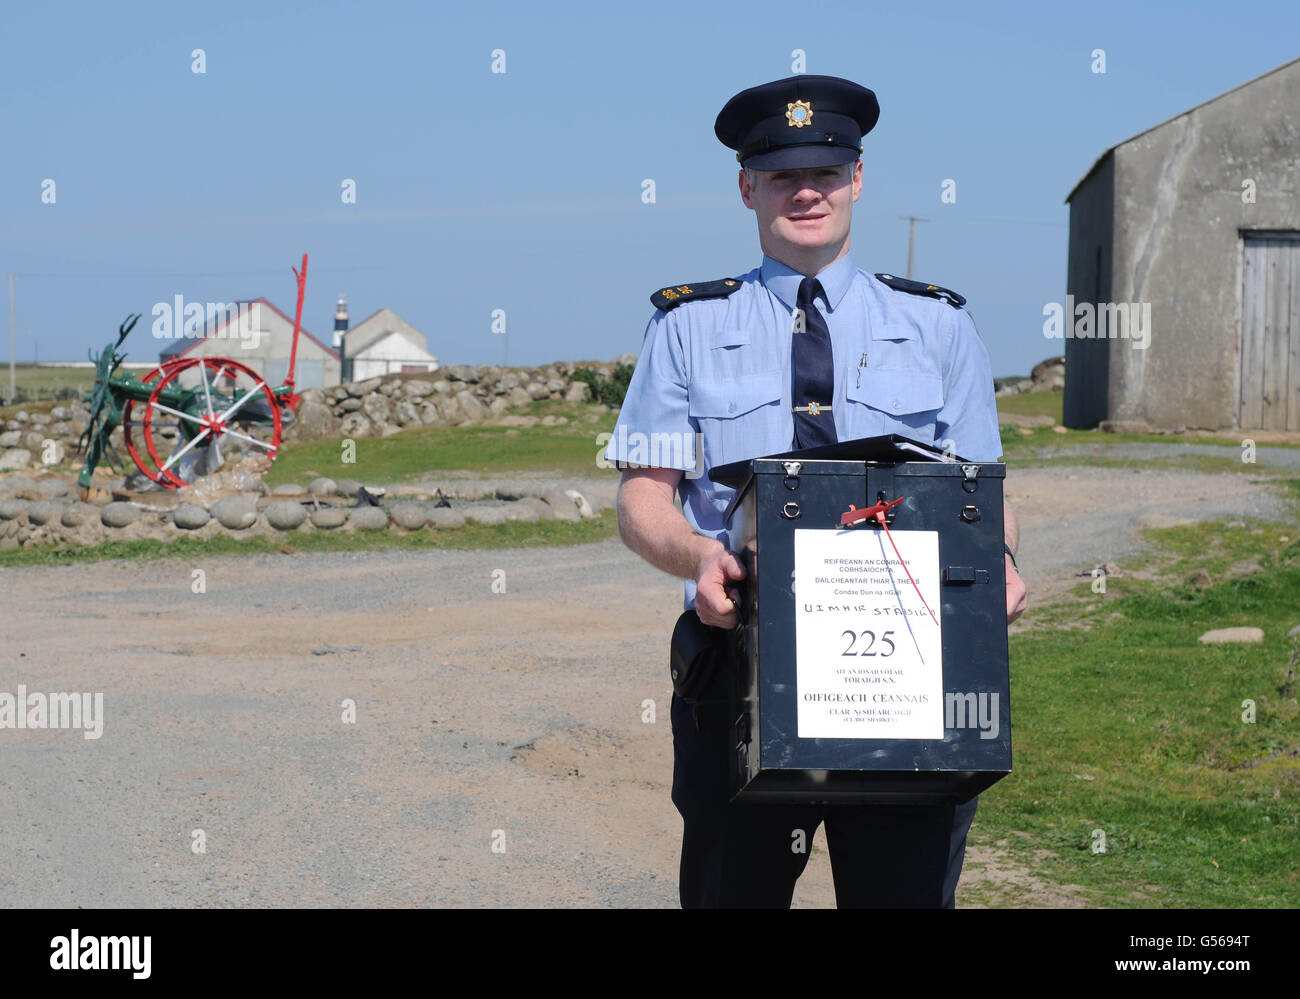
(712, 383)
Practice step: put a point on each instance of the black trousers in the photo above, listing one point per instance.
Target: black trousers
(749, 856)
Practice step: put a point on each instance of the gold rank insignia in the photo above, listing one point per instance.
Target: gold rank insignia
(798, 114)
(674, 295)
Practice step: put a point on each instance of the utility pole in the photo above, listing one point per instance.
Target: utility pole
(13, 394)
(911, 239)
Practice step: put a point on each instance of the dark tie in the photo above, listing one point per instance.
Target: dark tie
(812, 373)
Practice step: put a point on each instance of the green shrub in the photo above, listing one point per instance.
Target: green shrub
(610, 391)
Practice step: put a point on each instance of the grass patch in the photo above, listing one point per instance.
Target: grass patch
(1049, 403)
(33, 378)
(423, 452)
(1216, 547)
(513, 534)
(1125, 723)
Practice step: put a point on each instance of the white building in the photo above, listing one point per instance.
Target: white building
(381, 344)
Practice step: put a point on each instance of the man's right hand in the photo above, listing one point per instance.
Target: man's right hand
(718, 569)
(655, 529)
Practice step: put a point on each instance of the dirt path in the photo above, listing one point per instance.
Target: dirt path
(481, 717)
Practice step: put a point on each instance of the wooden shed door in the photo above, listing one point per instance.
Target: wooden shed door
(1270, 332)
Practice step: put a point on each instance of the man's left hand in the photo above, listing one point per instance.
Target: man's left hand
(1017, 593)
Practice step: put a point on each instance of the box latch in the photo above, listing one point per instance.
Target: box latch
(964, 575)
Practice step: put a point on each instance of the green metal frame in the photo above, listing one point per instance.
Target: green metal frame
(112, 391)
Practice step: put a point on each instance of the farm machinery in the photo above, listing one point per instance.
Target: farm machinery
(188, 416)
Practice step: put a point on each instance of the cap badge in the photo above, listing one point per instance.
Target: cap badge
(798, 114)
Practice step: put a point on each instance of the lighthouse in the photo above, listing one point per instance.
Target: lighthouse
(340, 329)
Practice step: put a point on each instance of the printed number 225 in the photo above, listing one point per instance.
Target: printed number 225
(870, 638)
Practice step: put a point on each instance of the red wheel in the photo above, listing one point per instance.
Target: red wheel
(133, 425)
(231, 412)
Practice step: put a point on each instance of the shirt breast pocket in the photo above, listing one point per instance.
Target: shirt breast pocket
(895, 401)
(739, 417)
(729, 338)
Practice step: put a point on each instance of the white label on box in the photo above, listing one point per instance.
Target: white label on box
(869, 650)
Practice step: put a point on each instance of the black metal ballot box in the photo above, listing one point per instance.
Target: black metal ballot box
(871, 665)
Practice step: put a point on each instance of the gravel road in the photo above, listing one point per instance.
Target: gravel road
(517, 720)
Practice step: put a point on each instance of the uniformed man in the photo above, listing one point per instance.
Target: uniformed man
(805, 349)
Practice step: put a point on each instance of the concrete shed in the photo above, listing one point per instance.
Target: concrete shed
(1183, 285)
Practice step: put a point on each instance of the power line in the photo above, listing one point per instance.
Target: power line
(975, 218)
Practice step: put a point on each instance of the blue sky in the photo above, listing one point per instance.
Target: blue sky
(522, 191)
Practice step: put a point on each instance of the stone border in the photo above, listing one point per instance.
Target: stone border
(47, 511)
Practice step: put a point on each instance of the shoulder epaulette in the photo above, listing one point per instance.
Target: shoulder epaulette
(670, 298)
(921, 288)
